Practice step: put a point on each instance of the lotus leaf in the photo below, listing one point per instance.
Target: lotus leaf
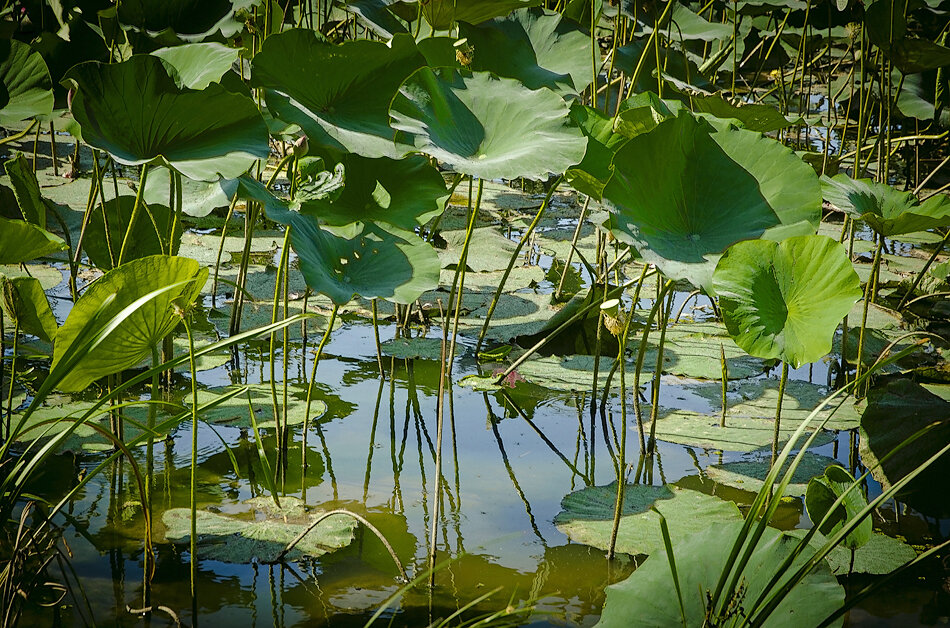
(572, 373)
(191, 19)
(344, 104)
(486, 126)
(26, 190)
(413, 348)
(649, 598)
(48, 276)
(149, 234)
(784, 300)
(895, 412)
(243, 541)
(587, 515)
(880, 555)
(693, 350)
(198, 198)
(821, 494)
(376, 15)
(742, 433)
(488, 249)
(886, 210)
(405, 193)
(20, 242)
(592, 173)
(234, 411)
(25, 86)
(534, 46)
(761, 118)
(25, 303)
(749, 475)
(136, 112)
(684, 192)
(441, 14)
(395, 264)
(132, 341)
(196, 66)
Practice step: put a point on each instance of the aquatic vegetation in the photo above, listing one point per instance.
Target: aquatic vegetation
(345, 310)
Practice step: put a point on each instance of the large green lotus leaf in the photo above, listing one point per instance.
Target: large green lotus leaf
(149, 235)
(395, 265)
(132, 341)
(376, 15)
(649, 598)
(25, 86)
(241, 541)
(191, 19)
(690, 26)
(136, 112)
(234, 411)
(441, 14)
(785, 300)
(761, 118)
(749, 475)
(823, 491)
(886, 210)
(486, 126)
(20, 242)
(880, 555)
(24, 302)
(338, 94)
(404, 193)
(894, 413)
(196, 66)
(592, 173)
(684, 192)
(533, 46)
(587, 515)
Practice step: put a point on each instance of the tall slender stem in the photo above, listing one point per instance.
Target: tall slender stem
(778, 410)
(313, 378)
(136, 210)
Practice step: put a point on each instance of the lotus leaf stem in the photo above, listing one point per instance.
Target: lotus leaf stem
(869, 291)
(313, 378)
(19, 136)
(570, 254)
(136, 209)
(348, 513)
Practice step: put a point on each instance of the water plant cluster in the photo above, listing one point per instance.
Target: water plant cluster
(651, 238)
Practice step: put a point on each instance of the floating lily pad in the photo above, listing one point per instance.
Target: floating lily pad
(740, 434)
(749, 475)
(693, 350)
(487, 250)
(881, 555)
(649, 597)
(234, 411)
(572, 373)
(587, 515)
(241, 541)
(48, 276)
(414, 348)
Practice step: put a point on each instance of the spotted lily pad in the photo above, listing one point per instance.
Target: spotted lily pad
(242, 541)
(587, 515)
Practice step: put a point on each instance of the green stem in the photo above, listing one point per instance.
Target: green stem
(511, 263)
(658, 373)
(16, 336)
(193, 541)
(313, 378)
(778, 410)
(641, 354)
(281, 427)
(136, 210)
(20, 135)
(868, 297)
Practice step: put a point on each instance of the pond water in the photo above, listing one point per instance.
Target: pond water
(508, 459)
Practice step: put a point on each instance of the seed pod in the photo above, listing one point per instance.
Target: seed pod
(614, 318)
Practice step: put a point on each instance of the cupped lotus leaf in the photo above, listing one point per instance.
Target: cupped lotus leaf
(879, 556)
(895, 412)
(24, 302)
(643, 112)
(649, 597)
(26, 89)
(886, 210)
(749, 475)
(404, 193)
(191, 19)
(196, 66)
(441, 14)
(534, 46)
(132, 341)
(684, 192)
(134, 111)
(785, 300)
(587, 515)
(234, 411)
(149, 235)
(822, 493)
(242, 541)
(20, 242)
(486, 126)
(339, 94)
(395, 265)
(591, 174)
